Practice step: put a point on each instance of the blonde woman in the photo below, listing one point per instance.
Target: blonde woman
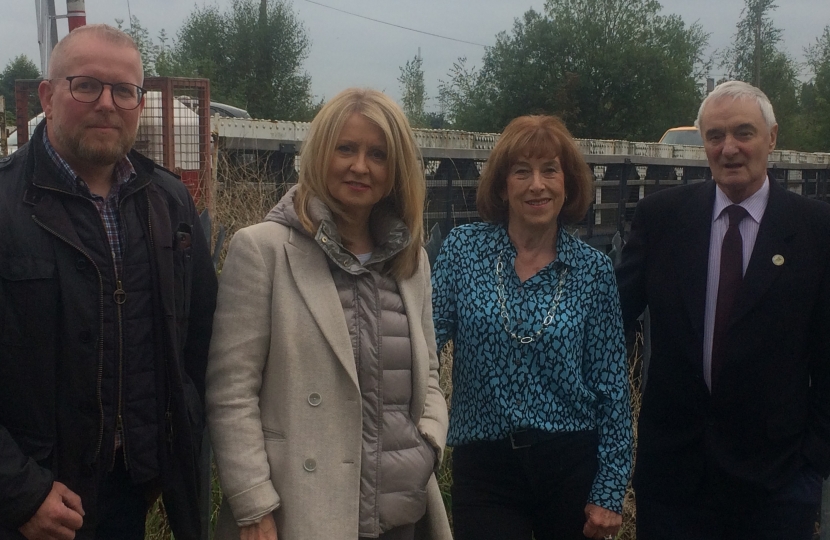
(323, 401)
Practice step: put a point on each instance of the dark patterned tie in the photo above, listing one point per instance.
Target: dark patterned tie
(731, 277)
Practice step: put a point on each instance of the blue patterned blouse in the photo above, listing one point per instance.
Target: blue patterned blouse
(573, 377)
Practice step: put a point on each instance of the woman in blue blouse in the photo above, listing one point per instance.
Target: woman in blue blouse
(540, 417)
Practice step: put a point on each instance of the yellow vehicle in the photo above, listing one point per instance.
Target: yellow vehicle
(688, 135)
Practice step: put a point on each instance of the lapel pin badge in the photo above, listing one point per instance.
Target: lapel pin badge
(777, 260)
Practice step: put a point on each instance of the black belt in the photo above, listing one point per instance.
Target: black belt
(526, 438)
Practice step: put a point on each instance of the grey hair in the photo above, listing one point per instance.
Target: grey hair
(739, 90)
(104, 31)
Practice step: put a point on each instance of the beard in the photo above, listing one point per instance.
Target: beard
(88, 149)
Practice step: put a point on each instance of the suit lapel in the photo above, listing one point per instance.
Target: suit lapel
(773, 239)
(691, 252)
(313, 278)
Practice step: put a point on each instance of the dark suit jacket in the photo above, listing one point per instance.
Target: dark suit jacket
(770, 413)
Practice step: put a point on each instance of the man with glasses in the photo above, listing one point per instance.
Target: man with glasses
(107, 294)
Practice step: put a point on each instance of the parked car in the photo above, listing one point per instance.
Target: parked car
(688, 135)
(222, 109)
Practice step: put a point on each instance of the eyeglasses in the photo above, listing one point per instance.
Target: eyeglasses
(88, 89)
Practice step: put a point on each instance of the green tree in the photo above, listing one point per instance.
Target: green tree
(815, 96)
(757, 57)
(413, 91)
(457, 94)
(609, 68)
(200, 50)
(252, 53)
(146, 47)
(21, 67)
(435, 120)
(164, 63)
(818, 54)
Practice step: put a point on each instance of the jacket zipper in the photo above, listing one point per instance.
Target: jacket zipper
(119, 421)
(100, 373)
(120, 297)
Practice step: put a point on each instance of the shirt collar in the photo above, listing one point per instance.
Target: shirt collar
(566, 251)
(391, 235)
(123, 171)
(755, 204)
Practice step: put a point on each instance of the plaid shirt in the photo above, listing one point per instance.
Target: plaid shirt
(108, 208)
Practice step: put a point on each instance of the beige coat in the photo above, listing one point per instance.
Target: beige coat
(283, 403)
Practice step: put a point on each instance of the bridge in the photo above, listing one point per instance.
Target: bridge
(624, 171)
(177, 130)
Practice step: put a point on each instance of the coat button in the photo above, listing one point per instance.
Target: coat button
(85, 336)
(310, 465)
(314, 399)
(81, 264)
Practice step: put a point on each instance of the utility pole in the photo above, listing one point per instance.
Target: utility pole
(47, 28)
(47, 31)
(75, 13)
(4, 143)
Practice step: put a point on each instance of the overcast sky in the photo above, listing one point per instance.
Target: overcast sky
(351, 51)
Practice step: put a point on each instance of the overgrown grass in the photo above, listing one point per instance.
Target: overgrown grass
(243, 198)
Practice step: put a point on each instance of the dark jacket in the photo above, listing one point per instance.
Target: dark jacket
(769, 416)
(52, 315)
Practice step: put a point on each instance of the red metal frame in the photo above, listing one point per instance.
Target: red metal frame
(23, 90)
(75, 14)
(169, 87)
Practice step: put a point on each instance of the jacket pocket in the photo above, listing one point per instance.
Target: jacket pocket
(37, 447)
(28, 299)
(433, 452)
(272, 435)
(786, 425)
(182, 269)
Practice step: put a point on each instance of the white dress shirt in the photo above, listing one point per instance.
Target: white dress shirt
(755, 205)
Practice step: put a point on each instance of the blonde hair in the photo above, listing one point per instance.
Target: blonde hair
(102, 31)
(535, 136)
(403, 160)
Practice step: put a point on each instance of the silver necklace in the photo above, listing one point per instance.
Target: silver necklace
(505, 316)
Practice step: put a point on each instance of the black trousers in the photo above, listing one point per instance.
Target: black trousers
(122, 505)
(540, 491)
(729, 509)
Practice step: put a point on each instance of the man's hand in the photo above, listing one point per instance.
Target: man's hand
(264, 530)
(60, 515)
(600, 522)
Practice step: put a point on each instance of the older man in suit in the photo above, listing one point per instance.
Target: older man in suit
(734, 430)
